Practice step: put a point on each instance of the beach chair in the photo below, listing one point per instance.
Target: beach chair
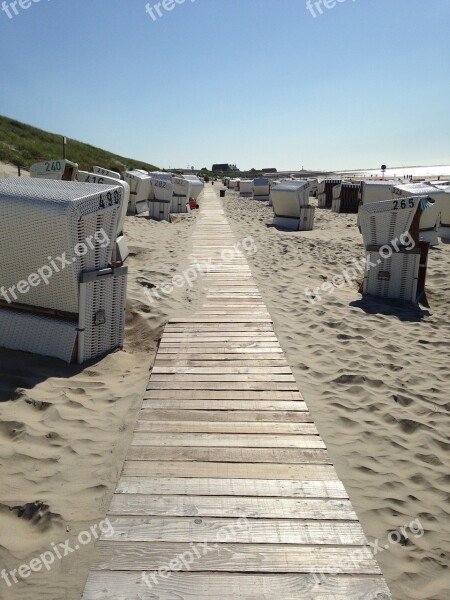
(288, 198)
(444, 228)
(121, 251)
(50, 247)
(141, 190)
(395, 270)
(246, 187)
(261, 188)
(377, 191)
(160, 202)
(431, 213)
(325, 192)
(106, 172)
(181, 195)
(60, 170)
(197, 186)
(346, 198)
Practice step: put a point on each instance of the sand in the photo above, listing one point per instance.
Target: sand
(376, 379)
(64, 430)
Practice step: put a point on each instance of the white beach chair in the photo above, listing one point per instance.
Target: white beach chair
(141, 190)
(197, 186)
(288, 198)
(181, 195)
(49, 244)
(382, 222)
(106, 172)
(60, 170)
(121, 251)
(246, 187)
(261, 188)
(377, 191)
(160, 202)
(396, 277)
(431, 213)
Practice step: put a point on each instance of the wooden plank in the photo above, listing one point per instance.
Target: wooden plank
(322, 509)
(223, 370)
(231, 359)
(226, 395)
(174, 362)
(235, 531)
(228, 440)
(262, 386)
(219, 454)
(221, 417)
(176, 426)
(169, 402)
(228, 470)
(195, 486)
(250, 358)
(233, 378)
(220, 350)
(252, 558)
(126, 585)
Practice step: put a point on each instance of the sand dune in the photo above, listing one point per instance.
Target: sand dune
(376, 378)
(64, 430)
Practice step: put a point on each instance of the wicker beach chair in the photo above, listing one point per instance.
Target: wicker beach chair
(141, 190)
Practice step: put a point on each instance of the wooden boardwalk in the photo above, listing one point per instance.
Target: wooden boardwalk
(228, 491)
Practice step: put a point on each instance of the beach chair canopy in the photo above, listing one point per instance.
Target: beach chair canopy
(62, 170)
(66, 222)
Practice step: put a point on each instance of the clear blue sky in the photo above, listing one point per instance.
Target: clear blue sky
(257, 82)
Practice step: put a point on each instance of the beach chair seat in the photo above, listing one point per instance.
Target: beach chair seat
(396, 277)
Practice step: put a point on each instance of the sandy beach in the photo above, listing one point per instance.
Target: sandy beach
(64, 430)
(375, 377)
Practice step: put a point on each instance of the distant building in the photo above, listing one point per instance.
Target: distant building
(271, 170)
(224, 168)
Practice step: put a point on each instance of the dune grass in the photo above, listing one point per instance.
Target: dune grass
(24, 145)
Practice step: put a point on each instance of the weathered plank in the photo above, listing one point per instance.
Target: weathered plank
(230, 455)
(127, 585)
(228, 395)
(261, 417)
(284, 488)
(252, 558)
(228, 440)
(228, 470)
(158, 425)
(235, 530)
(245, 404)
(322, 509)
